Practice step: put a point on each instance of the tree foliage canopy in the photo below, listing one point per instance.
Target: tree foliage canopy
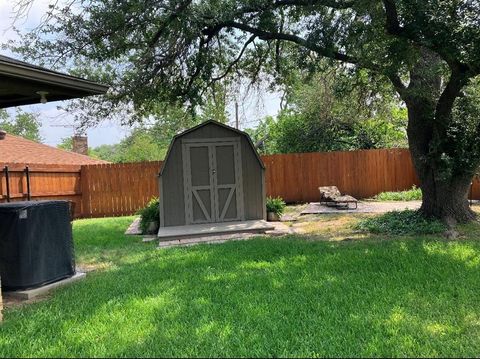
(176, 49)
(23, 124)
(335, 110)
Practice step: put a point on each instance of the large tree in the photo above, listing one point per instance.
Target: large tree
(334, 110)
(173, 50)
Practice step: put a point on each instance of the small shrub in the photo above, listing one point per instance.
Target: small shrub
(406, 222)
(276, 205)
(413, 194)
(150, 213)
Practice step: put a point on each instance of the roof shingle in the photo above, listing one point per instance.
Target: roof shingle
(14, 149)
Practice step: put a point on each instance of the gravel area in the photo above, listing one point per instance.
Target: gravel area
(363, 207)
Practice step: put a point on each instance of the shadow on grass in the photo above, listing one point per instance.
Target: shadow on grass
(281, 297)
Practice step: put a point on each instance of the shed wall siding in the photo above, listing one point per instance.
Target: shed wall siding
(172, 182)
(252, 183)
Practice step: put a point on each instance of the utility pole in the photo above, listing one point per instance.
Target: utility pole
(236, 114)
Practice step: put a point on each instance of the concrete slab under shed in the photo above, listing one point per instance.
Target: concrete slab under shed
(213, 229)
(207, 240)
(35, 292)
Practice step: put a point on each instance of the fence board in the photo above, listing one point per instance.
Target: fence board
(296, 177)
(46, 182)
(121, 189)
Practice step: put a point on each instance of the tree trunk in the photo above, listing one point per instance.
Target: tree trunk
(445, 192)
(444, 182)
(446, 199)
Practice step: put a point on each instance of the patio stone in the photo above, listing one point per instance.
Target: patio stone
(134, 228)
(363, 207)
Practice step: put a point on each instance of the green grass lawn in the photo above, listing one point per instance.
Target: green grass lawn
(261, 297)
(412, 194)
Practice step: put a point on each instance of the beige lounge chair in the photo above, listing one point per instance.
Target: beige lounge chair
(331, 196)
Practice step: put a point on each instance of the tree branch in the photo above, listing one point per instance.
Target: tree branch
(398, 84)
(334, 4)
(237, 59)
(272, 35)
(201, 50)
(392, 23)
(445, 103)
(173, 16)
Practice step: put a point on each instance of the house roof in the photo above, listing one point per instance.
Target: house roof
(20, 83)
(211, 122)
(14, 149)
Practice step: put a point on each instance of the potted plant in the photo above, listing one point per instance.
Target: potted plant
(275, 208)
(149, 217)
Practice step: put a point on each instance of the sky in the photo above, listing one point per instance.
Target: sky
(57, 124)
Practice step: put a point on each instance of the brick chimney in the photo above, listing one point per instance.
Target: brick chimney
(80, 145)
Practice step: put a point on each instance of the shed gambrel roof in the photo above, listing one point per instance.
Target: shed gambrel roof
(203, 124)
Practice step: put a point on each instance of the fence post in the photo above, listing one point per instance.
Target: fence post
(27, 174)
(85, 190)
(7, 182)
(1, 301)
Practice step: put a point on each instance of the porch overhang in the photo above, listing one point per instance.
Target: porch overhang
(22, 84)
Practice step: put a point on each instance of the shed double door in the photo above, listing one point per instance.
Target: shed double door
(212, 181)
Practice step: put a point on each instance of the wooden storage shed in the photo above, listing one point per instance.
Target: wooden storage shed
(211, 174)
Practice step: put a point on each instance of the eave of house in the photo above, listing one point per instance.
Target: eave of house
(20, 83)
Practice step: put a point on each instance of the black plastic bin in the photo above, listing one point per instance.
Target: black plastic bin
(36, 246)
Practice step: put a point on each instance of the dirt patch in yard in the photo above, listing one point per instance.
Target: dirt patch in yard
(13, 302)
(337, 225)
(476, 206)
(363, 207)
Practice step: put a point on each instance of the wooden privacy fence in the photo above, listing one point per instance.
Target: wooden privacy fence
(118, 189)
(362, 174)
(46, 182)
(121, 189)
